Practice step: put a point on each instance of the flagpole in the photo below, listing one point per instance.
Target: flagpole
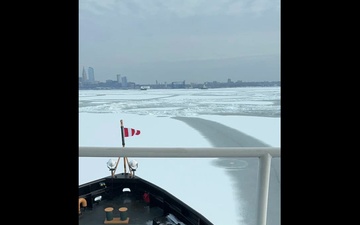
(123, 144)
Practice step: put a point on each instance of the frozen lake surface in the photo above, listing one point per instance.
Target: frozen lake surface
(182, 118)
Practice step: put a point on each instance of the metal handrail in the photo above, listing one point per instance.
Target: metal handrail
(265, 154)
(177, 152)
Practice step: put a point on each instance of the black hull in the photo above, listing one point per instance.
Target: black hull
(161, 204)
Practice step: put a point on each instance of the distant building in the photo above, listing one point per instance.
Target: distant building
(84, 76)
(178, 84)
(124, 81)
(91, 75)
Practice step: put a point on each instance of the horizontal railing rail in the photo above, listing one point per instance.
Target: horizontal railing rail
(265, 155)
(178, 152)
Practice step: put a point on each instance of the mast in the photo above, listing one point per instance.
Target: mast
(123, 144)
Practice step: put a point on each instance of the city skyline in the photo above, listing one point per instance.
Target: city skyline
(115, 77)
(122, 82)
(174, 40)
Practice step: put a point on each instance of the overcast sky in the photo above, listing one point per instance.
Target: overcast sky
(176, 40)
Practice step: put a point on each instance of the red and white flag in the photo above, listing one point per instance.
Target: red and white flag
(130, 132)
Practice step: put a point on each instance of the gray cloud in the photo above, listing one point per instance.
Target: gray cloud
(180, 8)
(116, 35)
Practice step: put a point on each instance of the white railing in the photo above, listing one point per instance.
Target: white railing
(265, 154)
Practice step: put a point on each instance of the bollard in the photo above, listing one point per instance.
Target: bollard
(123, 213)
(109, 213)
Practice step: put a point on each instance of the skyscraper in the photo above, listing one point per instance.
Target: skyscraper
(84, 77)
(124, 81)
(91, 75)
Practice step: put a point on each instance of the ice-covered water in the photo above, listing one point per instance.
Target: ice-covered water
(258, 101)
(254, 111)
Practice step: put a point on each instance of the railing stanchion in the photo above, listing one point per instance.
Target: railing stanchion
(263, 187)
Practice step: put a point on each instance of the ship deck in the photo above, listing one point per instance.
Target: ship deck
(137, 212)
(131, 200)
